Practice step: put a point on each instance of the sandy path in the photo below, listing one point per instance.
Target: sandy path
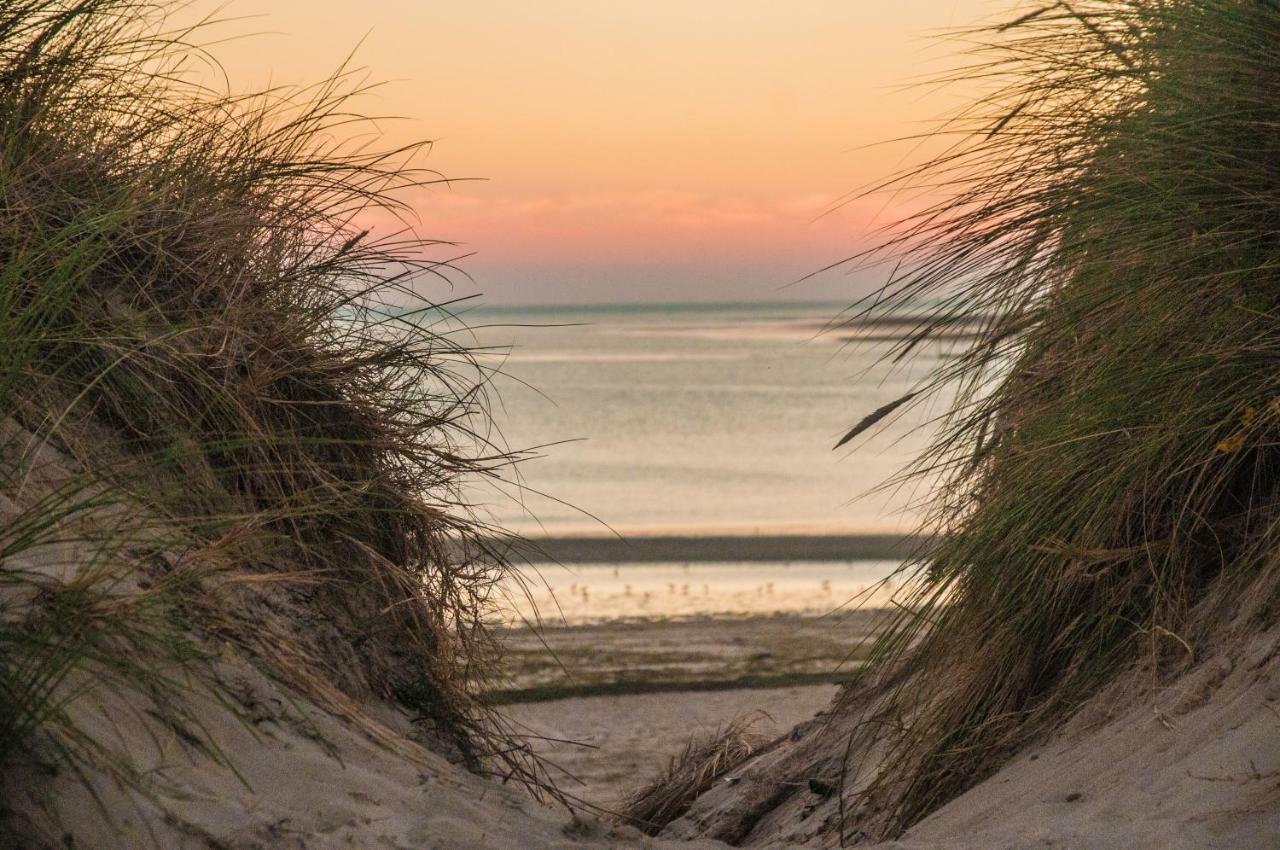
(632, 737)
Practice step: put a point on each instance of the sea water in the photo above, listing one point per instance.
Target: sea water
(698, 419)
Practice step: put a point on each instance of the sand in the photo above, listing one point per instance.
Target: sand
(609, 744)
(1195, 766)
(304, 779)
(1198, 767)
(1205, 774)
(270, 766)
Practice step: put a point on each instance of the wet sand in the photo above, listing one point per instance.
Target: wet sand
(698, 653)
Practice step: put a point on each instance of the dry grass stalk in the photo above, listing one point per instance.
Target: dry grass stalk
(204, 331)
(704, 759)
(1111, 487)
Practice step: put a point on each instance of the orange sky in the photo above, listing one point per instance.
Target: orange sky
(655, 150)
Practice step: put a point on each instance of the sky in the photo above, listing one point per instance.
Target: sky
(619, 151)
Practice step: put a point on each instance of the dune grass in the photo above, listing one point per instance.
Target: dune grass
(692, 772)
(214, 394)
(1111, 484)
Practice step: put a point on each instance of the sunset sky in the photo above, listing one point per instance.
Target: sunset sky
(632, 151)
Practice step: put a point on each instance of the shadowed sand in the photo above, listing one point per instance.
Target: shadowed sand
(604, 746)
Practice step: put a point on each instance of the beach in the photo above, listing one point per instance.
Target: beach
(599, 748)
(607, 702)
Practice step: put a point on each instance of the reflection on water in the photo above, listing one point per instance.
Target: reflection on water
(585, 593)
(718, 418)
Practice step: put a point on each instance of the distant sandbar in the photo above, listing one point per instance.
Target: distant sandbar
(721, 548)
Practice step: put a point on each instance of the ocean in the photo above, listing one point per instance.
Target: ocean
(697, 419)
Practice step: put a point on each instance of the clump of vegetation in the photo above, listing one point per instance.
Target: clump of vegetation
(218, 415)
(691, 773)
(1111, 492)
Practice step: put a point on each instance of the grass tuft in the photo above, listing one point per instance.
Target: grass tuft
(704, 759)
(1110, 219)
(226, 410)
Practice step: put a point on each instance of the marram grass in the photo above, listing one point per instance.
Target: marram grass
(209, 394)
(1111, 470)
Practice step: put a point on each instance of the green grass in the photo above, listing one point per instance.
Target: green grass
(1111, 484)
(212, 394)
